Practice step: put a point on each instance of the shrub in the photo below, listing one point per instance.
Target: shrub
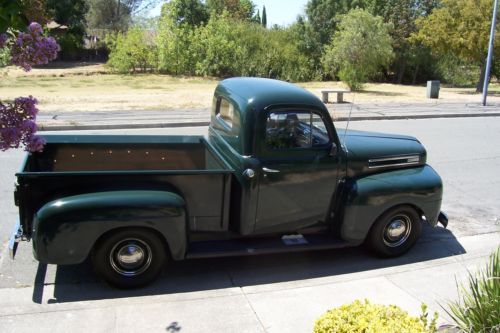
(478, 310)
(18, 118)
(215, 47)
(364, 317)
(174, 43)
(225, 46)
(457, 72)
(132, 51)
(4, 57)
(359, 49)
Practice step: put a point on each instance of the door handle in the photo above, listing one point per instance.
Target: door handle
(267, 170)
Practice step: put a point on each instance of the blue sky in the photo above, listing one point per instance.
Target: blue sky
(281, 12)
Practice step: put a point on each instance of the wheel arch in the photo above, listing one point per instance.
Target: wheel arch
(417, 210)
(370, 197)
(66, 230)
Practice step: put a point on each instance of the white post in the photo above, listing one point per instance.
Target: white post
(490, 52)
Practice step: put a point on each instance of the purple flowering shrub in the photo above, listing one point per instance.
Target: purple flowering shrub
(18, 119)
(3, 40)
(32, 48)
(17, 125)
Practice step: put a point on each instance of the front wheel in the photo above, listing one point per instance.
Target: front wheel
(395, 231)
(129, 258)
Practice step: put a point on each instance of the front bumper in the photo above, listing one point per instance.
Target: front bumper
(443, 219)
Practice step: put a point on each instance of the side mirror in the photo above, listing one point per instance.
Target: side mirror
(333, 149)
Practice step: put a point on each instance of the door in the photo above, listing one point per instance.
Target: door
(299, 169)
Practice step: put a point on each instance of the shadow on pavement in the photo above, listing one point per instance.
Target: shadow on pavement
(69, 64)
(79, 282)
(381, 93)
(474, 92)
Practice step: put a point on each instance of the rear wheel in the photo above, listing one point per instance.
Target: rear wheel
(395, 231)
(129, 258)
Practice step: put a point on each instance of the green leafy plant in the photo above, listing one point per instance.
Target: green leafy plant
(478, 309)
(359, 49)
(134, 51)
(364, 317)
(4, 57)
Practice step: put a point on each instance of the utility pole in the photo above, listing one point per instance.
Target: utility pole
(490, 52)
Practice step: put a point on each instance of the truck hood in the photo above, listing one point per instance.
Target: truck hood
(370, 152)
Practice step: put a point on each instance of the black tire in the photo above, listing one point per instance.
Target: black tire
(129, 258)
(395, 231)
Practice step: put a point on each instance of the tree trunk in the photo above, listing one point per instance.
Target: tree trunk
(480, 84)
(415, 74)
(402, 67)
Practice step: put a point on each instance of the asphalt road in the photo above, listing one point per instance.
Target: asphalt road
(464, 151)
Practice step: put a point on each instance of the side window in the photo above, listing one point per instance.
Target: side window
(319, 131)
(225, 113)
(297, 129)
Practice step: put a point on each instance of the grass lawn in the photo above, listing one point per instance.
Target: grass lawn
(92, 88)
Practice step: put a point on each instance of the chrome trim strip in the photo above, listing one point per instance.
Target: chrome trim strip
(410, 160)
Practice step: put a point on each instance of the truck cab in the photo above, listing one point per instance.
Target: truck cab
(282, 144)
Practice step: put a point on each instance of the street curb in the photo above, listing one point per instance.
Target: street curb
(43, 128)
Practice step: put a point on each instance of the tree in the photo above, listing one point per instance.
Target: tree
(177, 24)
(402, 14)
(185, 12)
(70, 13)
(114, 15)
(133, 51)
(462, 28)
(108, 15)
(308, 44)
(237, 9)
(257, 18)
(18, 14)
(359, 49)
(264, 17)
(215, 44)
(322, 14)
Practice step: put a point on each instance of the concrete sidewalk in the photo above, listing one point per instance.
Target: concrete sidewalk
(251, 294)
(65, 120)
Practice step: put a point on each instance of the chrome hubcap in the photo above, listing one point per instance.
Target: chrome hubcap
(397, 231)
(130, 257)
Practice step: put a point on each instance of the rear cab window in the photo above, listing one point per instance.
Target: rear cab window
(224, 113)
(226, 122)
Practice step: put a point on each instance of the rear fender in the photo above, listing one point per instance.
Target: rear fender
(369, 197)
(65, 230)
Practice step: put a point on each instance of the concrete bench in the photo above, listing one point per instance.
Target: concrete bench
(340, 94)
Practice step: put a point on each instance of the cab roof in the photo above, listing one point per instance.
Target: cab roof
(266, 92)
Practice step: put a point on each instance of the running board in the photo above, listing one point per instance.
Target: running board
(255, 246)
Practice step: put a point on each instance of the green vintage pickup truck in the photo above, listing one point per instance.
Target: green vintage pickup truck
(273, 175)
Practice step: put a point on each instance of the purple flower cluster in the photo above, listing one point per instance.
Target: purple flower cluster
(3, 39)
(17, 125)
(32, 48)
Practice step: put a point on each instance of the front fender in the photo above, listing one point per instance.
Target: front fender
(65, 230)
(369, 197)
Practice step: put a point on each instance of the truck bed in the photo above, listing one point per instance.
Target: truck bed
(124, 153)
(73, 165)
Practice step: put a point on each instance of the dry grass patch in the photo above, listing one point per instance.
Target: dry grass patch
(90, 87)
(388, 93)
